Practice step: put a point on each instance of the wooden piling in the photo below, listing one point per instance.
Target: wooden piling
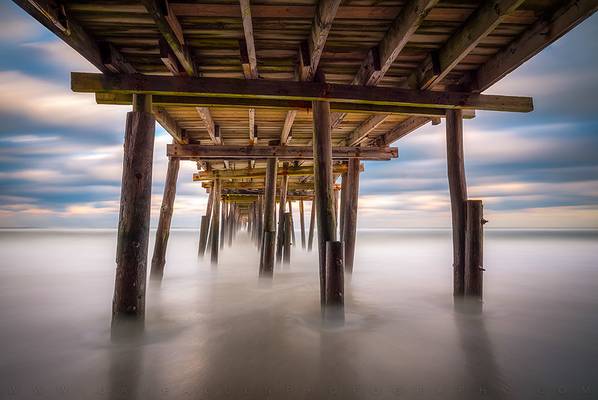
(288, 226)
(281, 211)
(312, 221)
(335, 286)
(223, 221)
(474, 249)
(231, 223)
(343, 206)
(323, 179)
(351, 205)
(134, 218)
(205, 225)
(269, 221)
(215, 225)
(302, 223)
(292, 226)
(163, 231)
(458, 194)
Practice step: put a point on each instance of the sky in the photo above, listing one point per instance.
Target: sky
(61, 154)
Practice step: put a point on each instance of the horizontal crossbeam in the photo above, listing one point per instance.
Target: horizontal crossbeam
(291, 90)
(201, 152)
(250, 173)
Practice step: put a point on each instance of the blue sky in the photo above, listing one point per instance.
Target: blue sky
(61, 154)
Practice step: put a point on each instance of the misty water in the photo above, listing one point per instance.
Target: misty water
(219, 334)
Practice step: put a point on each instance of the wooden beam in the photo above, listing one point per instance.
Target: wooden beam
(201, 152)
(248, 42)
(403, 129)
(249, 173)
(169, 59)
(479, 24)
(258, 185)
(321, 25)
(171, 31)
(361, 133)
(211, 127)
(544, 32)
(170, 125)
(285, 135)
(289, 90)
(293, 105)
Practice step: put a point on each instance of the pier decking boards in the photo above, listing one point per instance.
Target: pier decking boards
(275, 101)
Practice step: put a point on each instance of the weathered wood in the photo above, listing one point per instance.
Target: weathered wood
(312, 222)
(335, 283)
(205, 224)
(343, 205)
(211, 127)
(163, 231)
(134, 218)
(248, 173)
(321, 25)
(288, 228)
(249, 42)
(281, 211)
(361, 133)
(269, 232)
(323, 180)
(296, 105)
(351, 206)
(229, 152)
(285, 135)
(169, 27)
(215, 224)
(302, 223)
(403, 129)
(474, 249)
(256, 185)
(544, 32)
(223, 222)
(290, 90)
(170, 125)
(290, 202)
(458, 193)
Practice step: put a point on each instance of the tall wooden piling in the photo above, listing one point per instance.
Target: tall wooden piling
(302, 223)
(260, 220)
(458, 194)
(288, 226)
(312, 222)
(335, 286)
(343, 206)
(163, 231)
(292, 226)
(281, 210)
(474, 249)
(232, 215)
(205, 224)
(134, 217)
(324, 194)
(223, 222)
(215, 225)
(350, 212)
(269, 220)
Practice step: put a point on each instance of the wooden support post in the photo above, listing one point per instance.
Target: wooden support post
(458, 193)
(215, 225)
(292, 226)
(302, 223)
(223, 221)
(350, 227)
(312, 222)
(343, 206)
(335, 286)
(323, 180)
(281, 210)
(269, 232)
(205, 224)
(286, 259)
(134, 218)
(163, 231)
(474, 249)
(231, 223)
(260, 220)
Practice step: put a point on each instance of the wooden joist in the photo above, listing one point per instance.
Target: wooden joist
(481, 23)
(361, 133)
(248, 59)
(170, 124)
(293, 105)
(211, 127)
(250, 173)
(171, 31)
(403, 129)
(289, 90)
(200, 152)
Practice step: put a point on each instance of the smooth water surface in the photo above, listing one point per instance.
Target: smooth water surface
(219, 334)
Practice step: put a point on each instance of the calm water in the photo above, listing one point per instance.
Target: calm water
(220, 335)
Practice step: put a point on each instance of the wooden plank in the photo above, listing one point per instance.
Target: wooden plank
(360, 134)
(249, 173)
(47, 12)
(403, 129)
(168, 26)
(285, 135)
(544, 32)
(295, 105)
(249, 42)
(170, 125)
(314, 91)
(228, 152)
(211, 127)
(226, 185)
(481, 23)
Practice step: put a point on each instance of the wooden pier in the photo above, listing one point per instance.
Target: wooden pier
(281, 103)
